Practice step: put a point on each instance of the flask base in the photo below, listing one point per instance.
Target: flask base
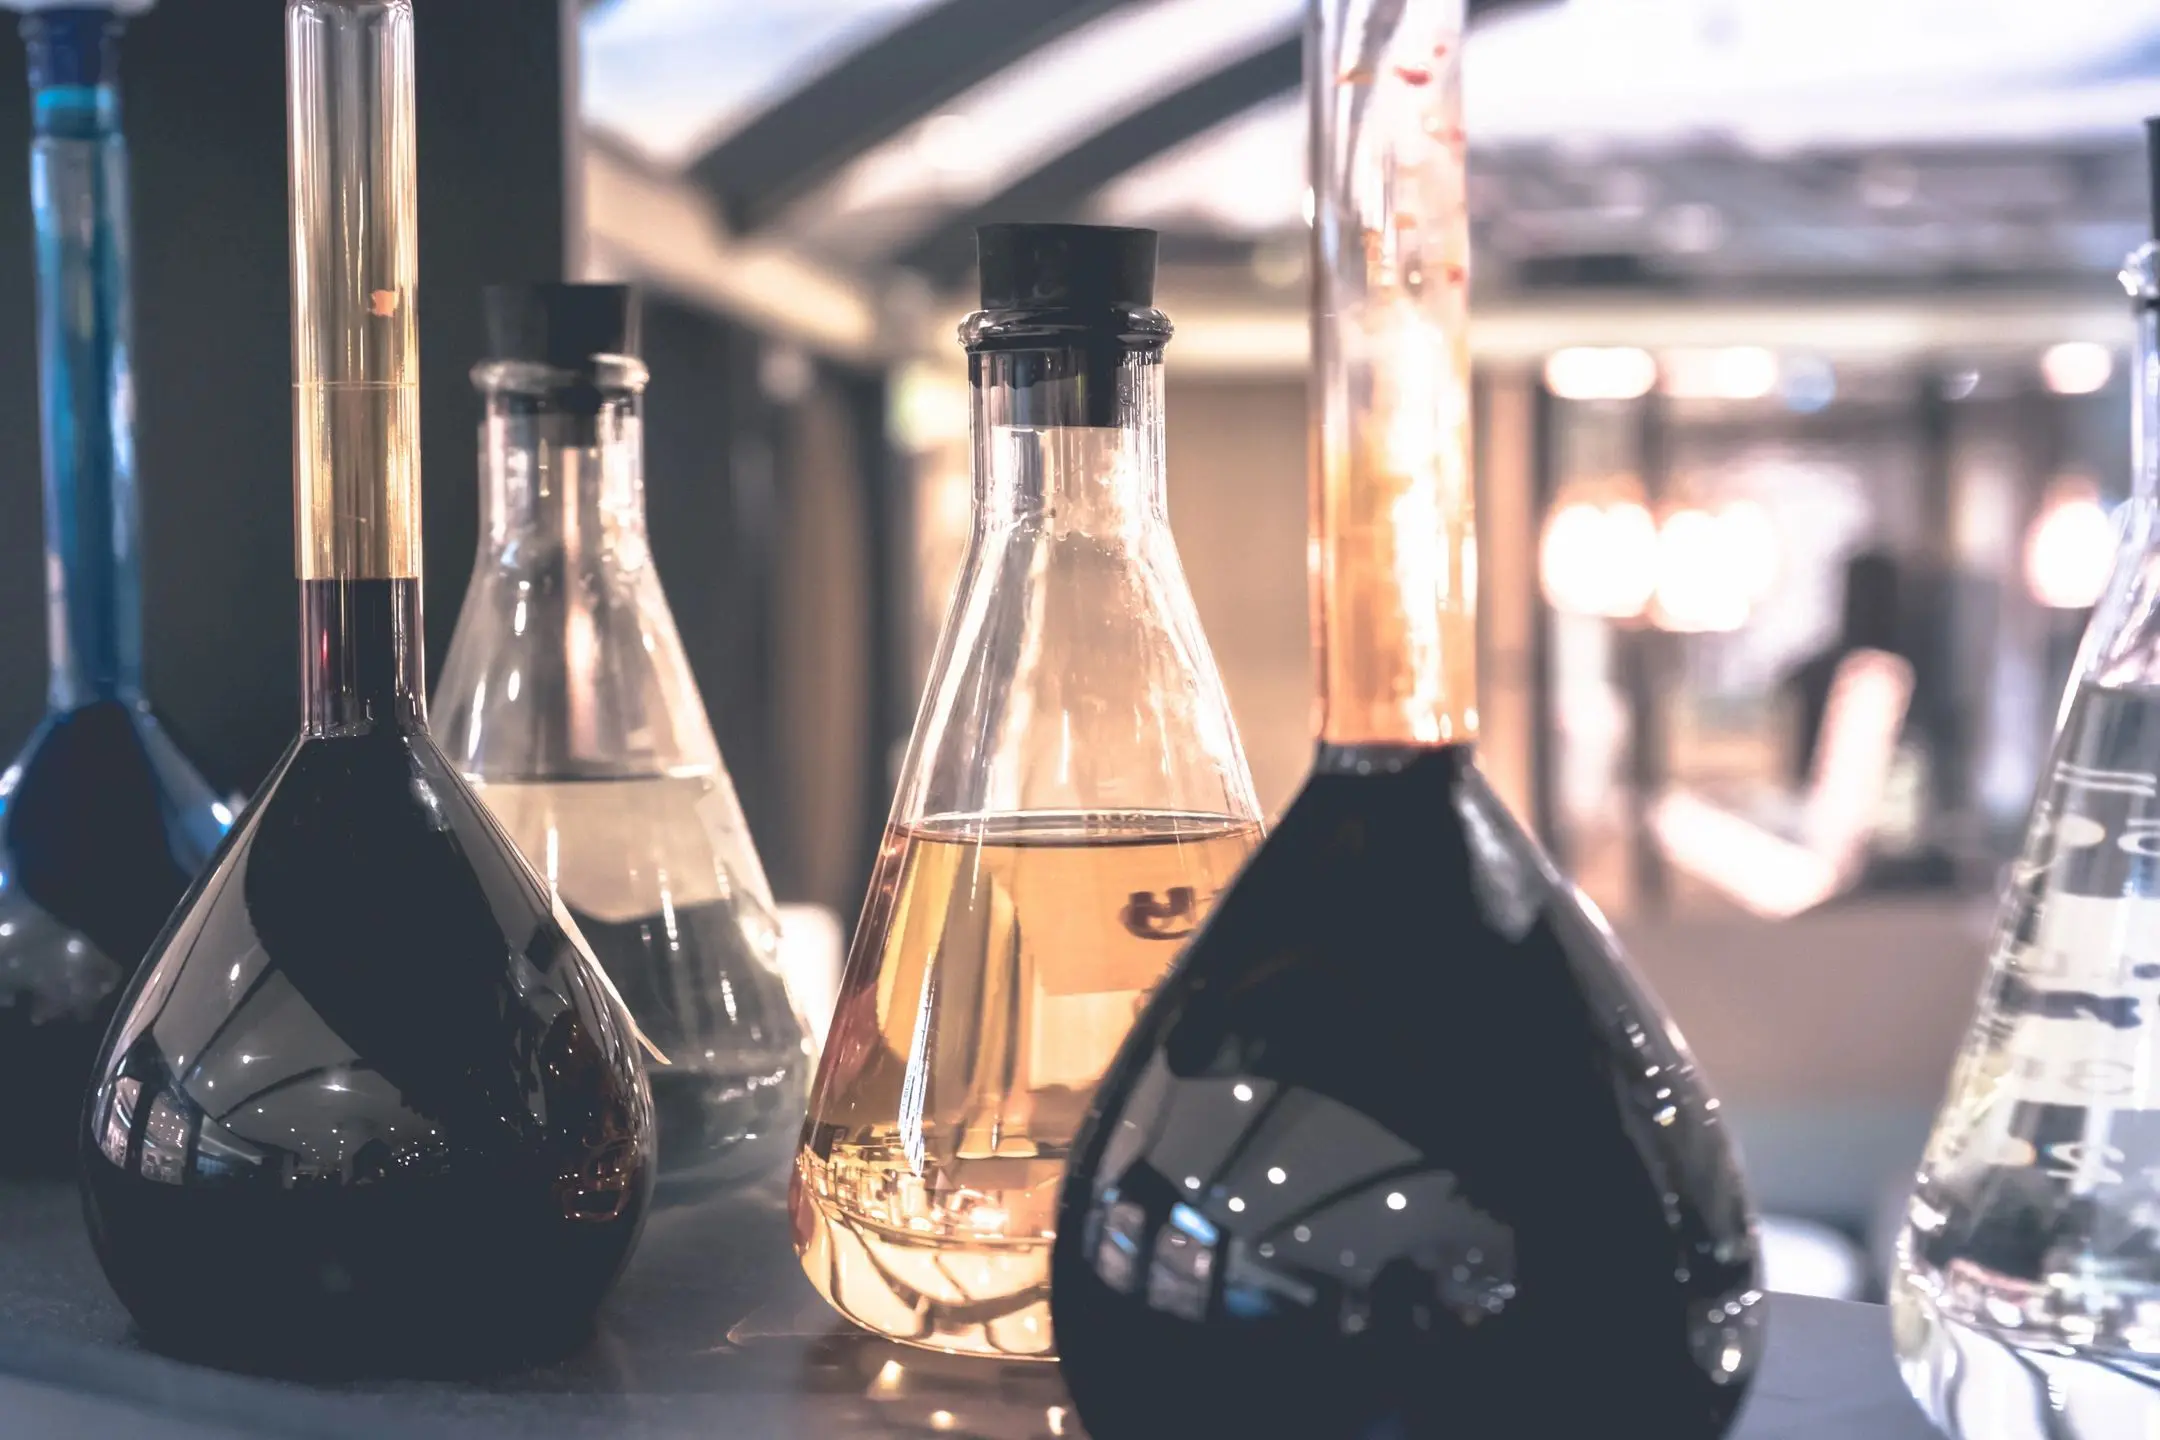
(104, 825)
(437, 1278)
(1981, 1382)
(988, 1298)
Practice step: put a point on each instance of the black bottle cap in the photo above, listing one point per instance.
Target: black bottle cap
(560, 325)
(1066, 267)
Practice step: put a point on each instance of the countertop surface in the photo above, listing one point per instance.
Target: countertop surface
(713, 1334)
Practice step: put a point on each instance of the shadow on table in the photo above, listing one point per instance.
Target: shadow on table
(716, 1334)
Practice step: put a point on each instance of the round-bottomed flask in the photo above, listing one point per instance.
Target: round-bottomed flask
(370, 1101)
(1402, 1147)
(2026, 1293)
(103, 822)
(568, 704)
(1073, 797)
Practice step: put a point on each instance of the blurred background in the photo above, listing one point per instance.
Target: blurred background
(1802, 416)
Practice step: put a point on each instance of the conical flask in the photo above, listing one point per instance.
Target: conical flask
(1073, 797)
(2026, 1293)
(370, 1102)
(1402, 1147)
(102, 821)
(568, 704)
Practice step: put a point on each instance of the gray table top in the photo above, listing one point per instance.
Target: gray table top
(714, 1334)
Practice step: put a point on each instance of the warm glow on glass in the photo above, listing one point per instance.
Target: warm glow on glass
(1395, 564)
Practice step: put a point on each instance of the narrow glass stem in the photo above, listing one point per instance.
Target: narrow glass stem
(78, 189)
(1069, 439)
(1394, 567)
(356, 372)
(2116, 649)
(2145, 406)
(356, 433)
(557, 479)
(363, 661)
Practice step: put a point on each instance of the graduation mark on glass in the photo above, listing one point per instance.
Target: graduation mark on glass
(2025, 1298)
(371, 1103)
(1401, 1146)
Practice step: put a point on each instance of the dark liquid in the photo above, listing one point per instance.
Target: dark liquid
(1402, 1149)
(103, 830)
(367, 1105)
(729, 1103)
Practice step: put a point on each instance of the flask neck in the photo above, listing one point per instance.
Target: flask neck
(566, 662)
(363, 661)
(2145, 405)
(562, 484)
(355, 260)
(2122, 640)
(78, 191)
(1069, 439)
(1394, 570)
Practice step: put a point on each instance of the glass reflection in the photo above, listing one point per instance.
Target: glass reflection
(367, 1077)
(1309, 1210)
(1403, 1148)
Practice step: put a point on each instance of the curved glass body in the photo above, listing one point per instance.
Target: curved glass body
(2026, 1297)
(1401, 1147)
(568, 704)
(102, 821)
(370, 1102)
(1073, 797)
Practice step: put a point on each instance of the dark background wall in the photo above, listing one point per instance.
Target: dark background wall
(203, 85)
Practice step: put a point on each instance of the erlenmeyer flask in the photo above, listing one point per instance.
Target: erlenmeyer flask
(1402, 1147)
(568, 703)
(103, 822)
(1073, 797)
(369, 1101)
(2026, 1295)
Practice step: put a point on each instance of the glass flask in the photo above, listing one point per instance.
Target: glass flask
(102, 821)
(1402, 1146)
(1073, 797)
(568, 704)
(2026, 1293)
(370, 1103)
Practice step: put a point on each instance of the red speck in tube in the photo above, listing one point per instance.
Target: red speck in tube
(1414, 74)
(1452, 273)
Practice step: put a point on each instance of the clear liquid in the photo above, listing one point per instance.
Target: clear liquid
(2027, 1296)
(998, 966)
(660, 876)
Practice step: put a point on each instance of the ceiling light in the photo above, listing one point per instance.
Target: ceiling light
(2070, 548)
(1736, 372)
(1587, 372)
(2076, 367)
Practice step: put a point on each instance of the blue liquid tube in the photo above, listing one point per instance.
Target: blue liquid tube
(103, 823)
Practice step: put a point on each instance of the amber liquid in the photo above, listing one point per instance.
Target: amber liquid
(998, 966)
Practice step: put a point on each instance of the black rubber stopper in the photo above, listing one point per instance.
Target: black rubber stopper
(1066, 267)
(560, 325)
